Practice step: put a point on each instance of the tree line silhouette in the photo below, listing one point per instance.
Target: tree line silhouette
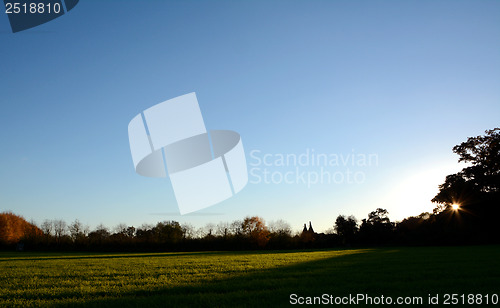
(467, 211)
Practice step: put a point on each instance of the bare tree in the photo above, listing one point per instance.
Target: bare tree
(47, 227)
(199, 232)
(223, 229)
(209, 229)
(59, 228)
(76, 230)
(189, 230)
(280, 227)
(237, 227)
(121, 228)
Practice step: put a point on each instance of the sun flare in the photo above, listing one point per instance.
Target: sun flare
(413, 194)
(455, 206)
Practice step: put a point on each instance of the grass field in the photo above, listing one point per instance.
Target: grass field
(248, 279)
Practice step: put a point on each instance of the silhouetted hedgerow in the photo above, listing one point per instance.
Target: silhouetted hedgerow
(467, 212)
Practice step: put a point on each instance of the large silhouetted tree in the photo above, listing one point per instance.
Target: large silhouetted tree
(168, 232)
(475, 189)
(346, 228)
(481, 177)
(377, 229)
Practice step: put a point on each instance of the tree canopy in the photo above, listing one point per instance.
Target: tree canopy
(481, 179)
(469, 201)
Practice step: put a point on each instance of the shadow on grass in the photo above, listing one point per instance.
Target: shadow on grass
(105, 256)
(9, 257)
(415, 272)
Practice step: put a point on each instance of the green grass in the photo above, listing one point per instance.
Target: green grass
(242, 279)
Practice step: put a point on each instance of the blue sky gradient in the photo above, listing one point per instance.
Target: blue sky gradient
(406, 80)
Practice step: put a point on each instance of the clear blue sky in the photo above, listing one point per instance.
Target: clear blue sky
(405, 80)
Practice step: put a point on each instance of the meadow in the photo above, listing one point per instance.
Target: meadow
(243, 279)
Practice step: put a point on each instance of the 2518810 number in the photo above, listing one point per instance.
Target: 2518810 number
(471, 299)
(32, 8)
